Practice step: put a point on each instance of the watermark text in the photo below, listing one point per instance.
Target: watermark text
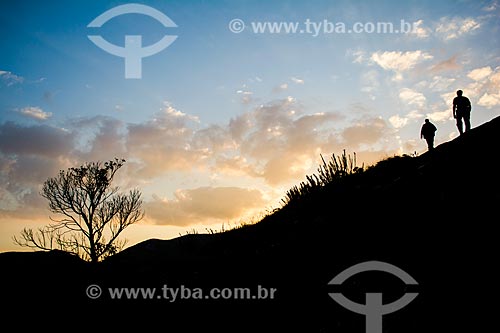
(322, 27)
(173, 294)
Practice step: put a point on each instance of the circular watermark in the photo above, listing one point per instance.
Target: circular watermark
(236, 26)
(93, 291)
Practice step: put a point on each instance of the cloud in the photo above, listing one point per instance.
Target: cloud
(440, 116)
(366, 131)
(203, 204)
(263, 131)
(479, 74)
(448, 97)
(489, 100)
(414, 115)
(446, 65)
(495, 78)
(358, 108)
(412, 97)
(419, 30)
(254, 143)
(29, 155)
(440, 83)
(101, 138)
(163, 143)
(235, 165)
(246, 96)
(284, 167)
(169, 112)
(358, 55)
(454, 27)
(397, 121)
(491, 7)
(282, 87)
(39, 140)
(10, 78)
(297, 80)
(275, 143)
(283, 129)
(399, 61)
(35, 112)
(240, 125)
(212, 140)
(370, 82)
(29, 170)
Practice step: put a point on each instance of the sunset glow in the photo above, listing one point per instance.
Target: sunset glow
(222, 123)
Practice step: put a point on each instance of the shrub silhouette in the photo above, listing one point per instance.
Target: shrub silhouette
(329, 172)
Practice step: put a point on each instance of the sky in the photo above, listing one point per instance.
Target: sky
(223, 121)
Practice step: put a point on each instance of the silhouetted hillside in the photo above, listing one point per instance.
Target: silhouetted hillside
(433, 216)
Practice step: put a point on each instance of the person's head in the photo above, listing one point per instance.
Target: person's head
(459, 92)
(426, 120)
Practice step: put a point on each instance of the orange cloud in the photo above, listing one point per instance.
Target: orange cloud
(203, 205)
(368, 131)
(276, 143)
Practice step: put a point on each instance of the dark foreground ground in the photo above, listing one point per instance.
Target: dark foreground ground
(434, 216)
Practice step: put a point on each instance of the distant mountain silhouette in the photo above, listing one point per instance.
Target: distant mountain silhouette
(433, 216)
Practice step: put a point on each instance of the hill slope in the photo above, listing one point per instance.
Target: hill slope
(432, 215)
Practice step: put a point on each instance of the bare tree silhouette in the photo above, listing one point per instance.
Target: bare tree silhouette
(93, 213)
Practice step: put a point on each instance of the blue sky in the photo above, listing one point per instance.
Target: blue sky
(221, 124)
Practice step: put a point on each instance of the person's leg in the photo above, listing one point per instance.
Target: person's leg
(430, 143)
(467, 122)
(459, 124)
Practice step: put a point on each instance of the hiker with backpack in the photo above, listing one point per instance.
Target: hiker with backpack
(461, 110)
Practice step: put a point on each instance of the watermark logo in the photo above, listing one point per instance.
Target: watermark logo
(133, 52)
(236, 26)
(93, 291)
(373, 309)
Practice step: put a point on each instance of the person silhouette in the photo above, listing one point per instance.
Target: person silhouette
(427, 132)
(461, 110)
